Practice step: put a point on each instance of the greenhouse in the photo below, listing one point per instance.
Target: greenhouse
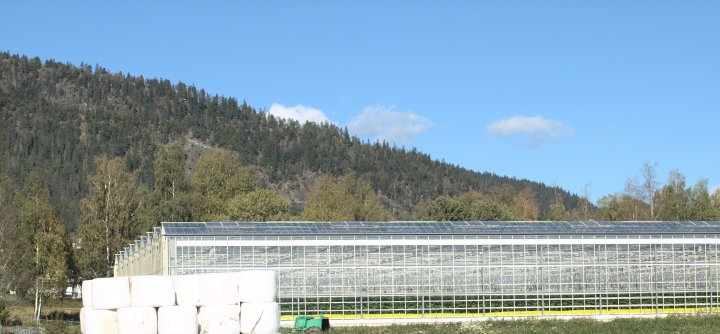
(419, 270)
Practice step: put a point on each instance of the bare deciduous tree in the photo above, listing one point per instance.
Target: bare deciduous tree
(645, 188)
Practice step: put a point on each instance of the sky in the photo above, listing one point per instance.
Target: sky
(577, 94)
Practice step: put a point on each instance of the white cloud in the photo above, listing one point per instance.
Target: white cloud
(384, 123)
(531, 131)
(299, 113)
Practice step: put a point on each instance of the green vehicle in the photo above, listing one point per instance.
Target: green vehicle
(311, 323)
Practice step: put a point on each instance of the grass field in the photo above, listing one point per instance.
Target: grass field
(55, 309)
(59, 316)
(672, 324)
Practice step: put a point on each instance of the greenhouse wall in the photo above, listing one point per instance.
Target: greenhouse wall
(142, 257)
(443, 276)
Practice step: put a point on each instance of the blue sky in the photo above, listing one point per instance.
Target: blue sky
(568, 93)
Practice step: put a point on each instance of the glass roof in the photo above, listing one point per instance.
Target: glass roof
(295, 228)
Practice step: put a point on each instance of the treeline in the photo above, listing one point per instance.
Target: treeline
(36, 248)
(644, 198)
(38, 256)
(55, 118)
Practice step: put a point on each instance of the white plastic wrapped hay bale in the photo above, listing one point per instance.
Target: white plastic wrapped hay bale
(218, 289)
(218, 318)
(137, 320)
(110, 293)
(227, 326)
(86, 293)
(99, 321)
(82, 318)
(155, 291)
(178, 320)
(260, 318)
(257, 286)
(187, 289)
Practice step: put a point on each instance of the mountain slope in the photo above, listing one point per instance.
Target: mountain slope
(55, 117)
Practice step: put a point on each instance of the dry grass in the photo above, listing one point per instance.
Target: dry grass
(54, 309)
(674, 324)
(698, 324)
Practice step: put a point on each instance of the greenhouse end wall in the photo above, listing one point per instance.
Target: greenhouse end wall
(439, 276)
(145, 256)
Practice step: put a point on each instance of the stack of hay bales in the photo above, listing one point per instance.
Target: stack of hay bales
(233, 303)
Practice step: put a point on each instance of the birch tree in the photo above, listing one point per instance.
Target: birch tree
(645, 188)
(40, 248)
(169, 172)
(619, 207)
(109, 219)
(558, 212)
(701, 202)
(171, 198)
(346, 198)
(525, 205)
(715, 201)
(674, 199)
(7, 232)
(217, 178)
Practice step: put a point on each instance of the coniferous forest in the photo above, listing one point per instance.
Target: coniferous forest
(57, 117)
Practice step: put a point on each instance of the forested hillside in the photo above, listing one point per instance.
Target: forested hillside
(55, 118)
(109, 156)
